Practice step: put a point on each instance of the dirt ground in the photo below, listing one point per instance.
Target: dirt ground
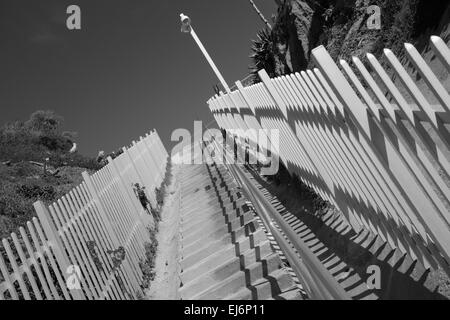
(167, 268)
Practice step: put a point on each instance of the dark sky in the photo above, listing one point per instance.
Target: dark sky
(128, 70)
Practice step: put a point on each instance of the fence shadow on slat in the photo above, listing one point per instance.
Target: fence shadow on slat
(366, 138)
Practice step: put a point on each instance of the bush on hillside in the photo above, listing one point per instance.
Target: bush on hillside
(39, 138)
(22, 182)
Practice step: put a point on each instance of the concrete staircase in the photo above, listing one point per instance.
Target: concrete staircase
(225, 253)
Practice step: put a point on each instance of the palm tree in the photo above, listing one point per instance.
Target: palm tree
(261, 15)
(262, 54)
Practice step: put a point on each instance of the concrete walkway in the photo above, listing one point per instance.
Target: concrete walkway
(167, 266)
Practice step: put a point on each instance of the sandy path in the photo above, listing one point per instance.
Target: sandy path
(167, 267)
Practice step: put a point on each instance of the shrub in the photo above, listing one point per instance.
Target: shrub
(14, 211)
(22, 183)
(35, 139)
(35, 191)
(39, 138)
(262, 54)
(92, 245)
(44, 123)
(160, 193)
(11, 205)
(148, 265)
(74, 160)
(54, 142)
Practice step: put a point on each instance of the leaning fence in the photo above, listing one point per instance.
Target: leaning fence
(368, 137)
(90, 243)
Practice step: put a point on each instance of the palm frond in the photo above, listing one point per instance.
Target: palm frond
(262, 53)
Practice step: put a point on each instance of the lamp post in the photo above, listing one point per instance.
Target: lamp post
(187, 28)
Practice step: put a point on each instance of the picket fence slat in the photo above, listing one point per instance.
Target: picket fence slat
(84, 230)
(33, 262)
(83, 221)
(106, 241)
(378, 153)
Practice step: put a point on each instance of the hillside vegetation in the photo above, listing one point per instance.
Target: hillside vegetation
(24, 148)
(341, 26)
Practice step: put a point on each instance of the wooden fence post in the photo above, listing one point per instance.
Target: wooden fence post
(55, 244)
(132, 200)
(138, 174)
(159, 174)
(109, 228)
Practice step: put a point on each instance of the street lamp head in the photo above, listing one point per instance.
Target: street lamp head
(185, 23)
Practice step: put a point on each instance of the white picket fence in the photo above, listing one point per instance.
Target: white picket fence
(67, 251)
(375, 148)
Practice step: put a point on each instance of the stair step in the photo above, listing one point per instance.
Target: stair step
(205, 252)
(293, 294)
(203, 276)
(203, 260)
(207, 222)
(237, 234)
(190, 249)
(227, 216)
(193, 213)
(262, 250)
(211, 278)
(209, 232)
(268, 289)
(241, 279)
(260, 291)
